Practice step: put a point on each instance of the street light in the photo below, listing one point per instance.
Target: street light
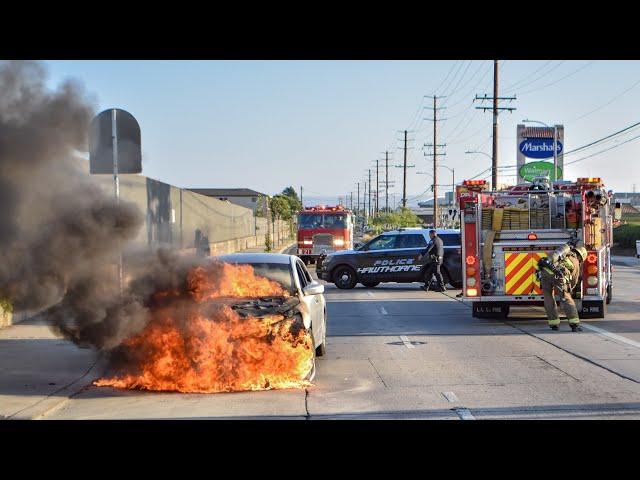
(453, 181)
(555, 146)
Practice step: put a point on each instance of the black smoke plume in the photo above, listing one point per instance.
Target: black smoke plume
(60, 233)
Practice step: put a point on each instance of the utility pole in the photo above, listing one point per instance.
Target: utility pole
(377, 188)
(435, 145)
(364, 202)
(369, 208)
(496, 110)
(404, 175)
(404, 166)
(351, 202)
(358, 206)
(386, 182)
(301, 202)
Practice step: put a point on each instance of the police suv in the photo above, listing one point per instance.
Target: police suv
(392, 257)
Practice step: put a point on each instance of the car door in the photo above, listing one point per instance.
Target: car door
(403, 261)
(371, 262)
(312, 302)
(452, 261)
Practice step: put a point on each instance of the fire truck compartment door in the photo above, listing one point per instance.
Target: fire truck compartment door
(520, 273)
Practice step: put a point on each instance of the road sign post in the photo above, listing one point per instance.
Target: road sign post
(115, 148)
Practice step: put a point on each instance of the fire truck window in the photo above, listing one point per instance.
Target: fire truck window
(335, 221)
(411, 241)
(310, 220)
(383, 242)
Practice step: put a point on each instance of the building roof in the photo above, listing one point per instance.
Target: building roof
(627, 208)
(227, 192)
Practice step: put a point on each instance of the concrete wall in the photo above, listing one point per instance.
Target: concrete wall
(178, 217)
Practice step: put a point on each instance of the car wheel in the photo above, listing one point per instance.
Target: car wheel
(370, 284)
(345, 277)
(609, 293)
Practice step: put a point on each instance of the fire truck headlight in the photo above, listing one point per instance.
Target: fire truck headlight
(307, 242)
(338, 242)
(592, 281)
(471, 282)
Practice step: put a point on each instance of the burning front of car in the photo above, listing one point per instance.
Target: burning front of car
(227, 330)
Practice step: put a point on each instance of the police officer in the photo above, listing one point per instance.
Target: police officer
(562, 271)
(435, 250)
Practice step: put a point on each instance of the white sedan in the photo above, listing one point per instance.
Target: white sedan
(292, 274)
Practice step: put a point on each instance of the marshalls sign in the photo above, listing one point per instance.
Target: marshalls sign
(537, 143)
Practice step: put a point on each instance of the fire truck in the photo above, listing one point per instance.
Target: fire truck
(505, 233)
(324, 229)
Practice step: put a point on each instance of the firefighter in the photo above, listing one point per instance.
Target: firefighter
(561, 271)
(435, 250)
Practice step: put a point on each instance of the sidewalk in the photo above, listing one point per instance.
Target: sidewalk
(276, 249)
(39, 371)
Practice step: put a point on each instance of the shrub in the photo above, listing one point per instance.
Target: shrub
(626, 235)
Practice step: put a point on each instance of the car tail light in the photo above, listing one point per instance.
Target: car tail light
(532, 236)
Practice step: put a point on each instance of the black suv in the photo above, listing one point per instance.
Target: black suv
(392, 257)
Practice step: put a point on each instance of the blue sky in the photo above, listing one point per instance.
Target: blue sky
(269, 124)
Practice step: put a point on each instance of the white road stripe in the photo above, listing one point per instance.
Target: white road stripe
(465, 414)
(451, 397)
(611, 335)
(406, 341)
(383, 311)
(370, 293)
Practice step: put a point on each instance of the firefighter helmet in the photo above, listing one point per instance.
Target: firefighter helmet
(582, 252)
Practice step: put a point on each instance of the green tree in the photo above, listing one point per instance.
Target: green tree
(403, 217)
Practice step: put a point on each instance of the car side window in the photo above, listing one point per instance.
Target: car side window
(301, 276)
(305, 270)
(383, 242)
(411, 241)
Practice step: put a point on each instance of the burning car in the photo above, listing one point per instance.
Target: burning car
(240, 322)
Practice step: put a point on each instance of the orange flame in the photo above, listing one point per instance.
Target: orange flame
(197, 343)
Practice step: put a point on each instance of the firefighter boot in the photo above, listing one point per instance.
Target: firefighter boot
(553, 323)
(574, 323)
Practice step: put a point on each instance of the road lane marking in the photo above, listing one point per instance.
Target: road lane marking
(370, 293)
(406, 341)
(464, 414)
(611, 335)
(451, 397)
(383, 311)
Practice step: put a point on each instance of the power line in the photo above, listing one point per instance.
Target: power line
(511, 87)
(558, 80)
(606, 104)
(531, 82)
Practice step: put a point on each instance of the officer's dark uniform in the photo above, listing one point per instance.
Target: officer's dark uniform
(435, 250)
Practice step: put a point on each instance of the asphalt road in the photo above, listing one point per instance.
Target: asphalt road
(397, 352)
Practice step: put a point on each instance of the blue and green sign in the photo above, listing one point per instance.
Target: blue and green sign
(539, 169)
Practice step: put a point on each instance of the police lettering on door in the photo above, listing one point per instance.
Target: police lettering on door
(391, 266)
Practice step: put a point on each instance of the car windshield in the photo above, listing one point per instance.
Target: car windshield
(319, 220)
(278, 272)
(383, 242)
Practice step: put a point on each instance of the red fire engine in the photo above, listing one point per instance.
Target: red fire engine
(324, 229)
(505, 233)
